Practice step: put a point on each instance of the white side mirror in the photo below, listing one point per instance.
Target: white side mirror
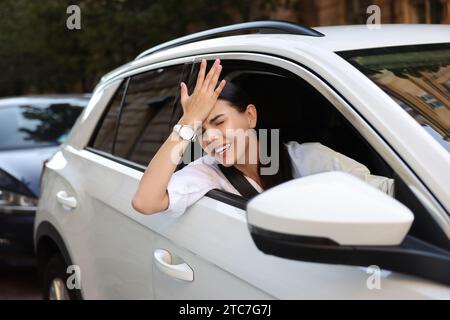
(333, 205)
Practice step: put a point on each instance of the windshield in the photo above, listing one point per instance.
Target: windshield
(417, 78)
(36, 124)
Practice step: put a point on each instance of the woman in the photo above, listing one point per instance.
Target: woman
(227, 119)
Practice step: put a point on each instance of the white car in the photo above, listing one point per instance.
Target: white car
(379, 96)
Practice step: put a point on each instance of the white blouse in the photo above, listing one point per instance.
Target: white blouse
(192, 182)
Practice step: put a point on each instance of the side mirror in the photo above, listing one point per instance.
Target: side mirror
(332, 207)
(336, 218)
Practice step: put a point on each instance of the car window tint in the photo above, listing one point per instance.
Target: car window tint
(104, 138)
(145, 121)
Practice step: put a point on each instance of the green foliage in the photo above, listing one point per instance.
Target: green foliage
(39, 54)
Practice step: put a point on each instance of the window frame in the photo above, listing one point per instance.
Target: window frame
(343, 106)
(101, 119)
(124, 82)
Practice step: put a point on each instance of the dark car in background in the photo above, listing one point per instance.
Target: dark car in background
(31, 129)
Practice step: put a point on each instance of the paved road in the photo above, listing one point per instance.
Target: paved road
(19, 283)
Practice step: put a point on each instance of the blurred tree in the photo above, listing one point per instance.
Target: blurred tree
(48, 124)
(39, 54)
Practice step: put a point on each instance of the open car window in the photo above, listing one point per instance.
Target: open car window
(286, 102)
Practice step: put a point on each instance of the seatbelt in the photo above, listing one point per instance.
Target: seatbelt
(237, 180)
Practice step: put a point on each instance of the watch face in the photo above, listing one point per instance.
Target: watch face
(186, 132)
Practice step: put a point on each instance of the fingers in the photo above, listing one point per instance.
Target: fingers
(220, 87)
(212, 71)
(183, 93)
(215, 78)
(201, 74)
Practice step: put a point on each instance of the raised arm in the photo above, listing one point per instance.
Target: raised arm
(151, 195)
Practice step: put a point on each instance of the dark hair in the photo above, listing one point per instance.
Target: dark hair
(239, 99)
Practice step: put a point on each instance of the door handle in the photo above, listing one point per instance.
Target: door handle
(66, 201)
(163, 261)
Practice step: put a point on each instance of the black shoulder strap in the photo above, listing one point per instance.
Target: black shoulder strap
(237, 179)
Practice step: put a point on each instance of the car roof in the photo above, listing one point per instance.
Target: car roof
(336, 38)
(355, 37)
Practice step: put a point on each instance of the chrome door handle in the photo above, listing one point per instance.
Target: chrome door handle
(66, 201)
(163, 261)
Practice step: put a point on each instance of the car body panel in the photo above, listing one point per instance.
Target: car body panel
(17, 163)
(115, 257)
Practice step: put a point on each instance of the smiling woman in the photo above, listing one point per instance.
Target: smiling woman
(228, 120)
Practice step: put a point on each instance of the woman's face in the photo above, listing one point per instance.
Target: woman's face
(227, 134)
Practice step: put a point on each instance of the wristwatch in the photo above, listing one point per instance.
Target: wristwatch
(185, 131)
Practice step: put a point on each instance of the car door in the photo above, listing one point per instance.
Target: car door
(123, 244)
(63, 204)
(213, 232)
(98, 233)
(131, 129)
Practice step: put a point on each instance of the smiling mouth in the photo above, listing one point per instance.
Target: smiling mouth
(222, 149)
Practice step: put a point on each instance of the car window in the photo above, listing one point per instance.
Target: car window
(104, 136)
(147, 113)
(313, 118)
(417, 78)
(37, 123)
